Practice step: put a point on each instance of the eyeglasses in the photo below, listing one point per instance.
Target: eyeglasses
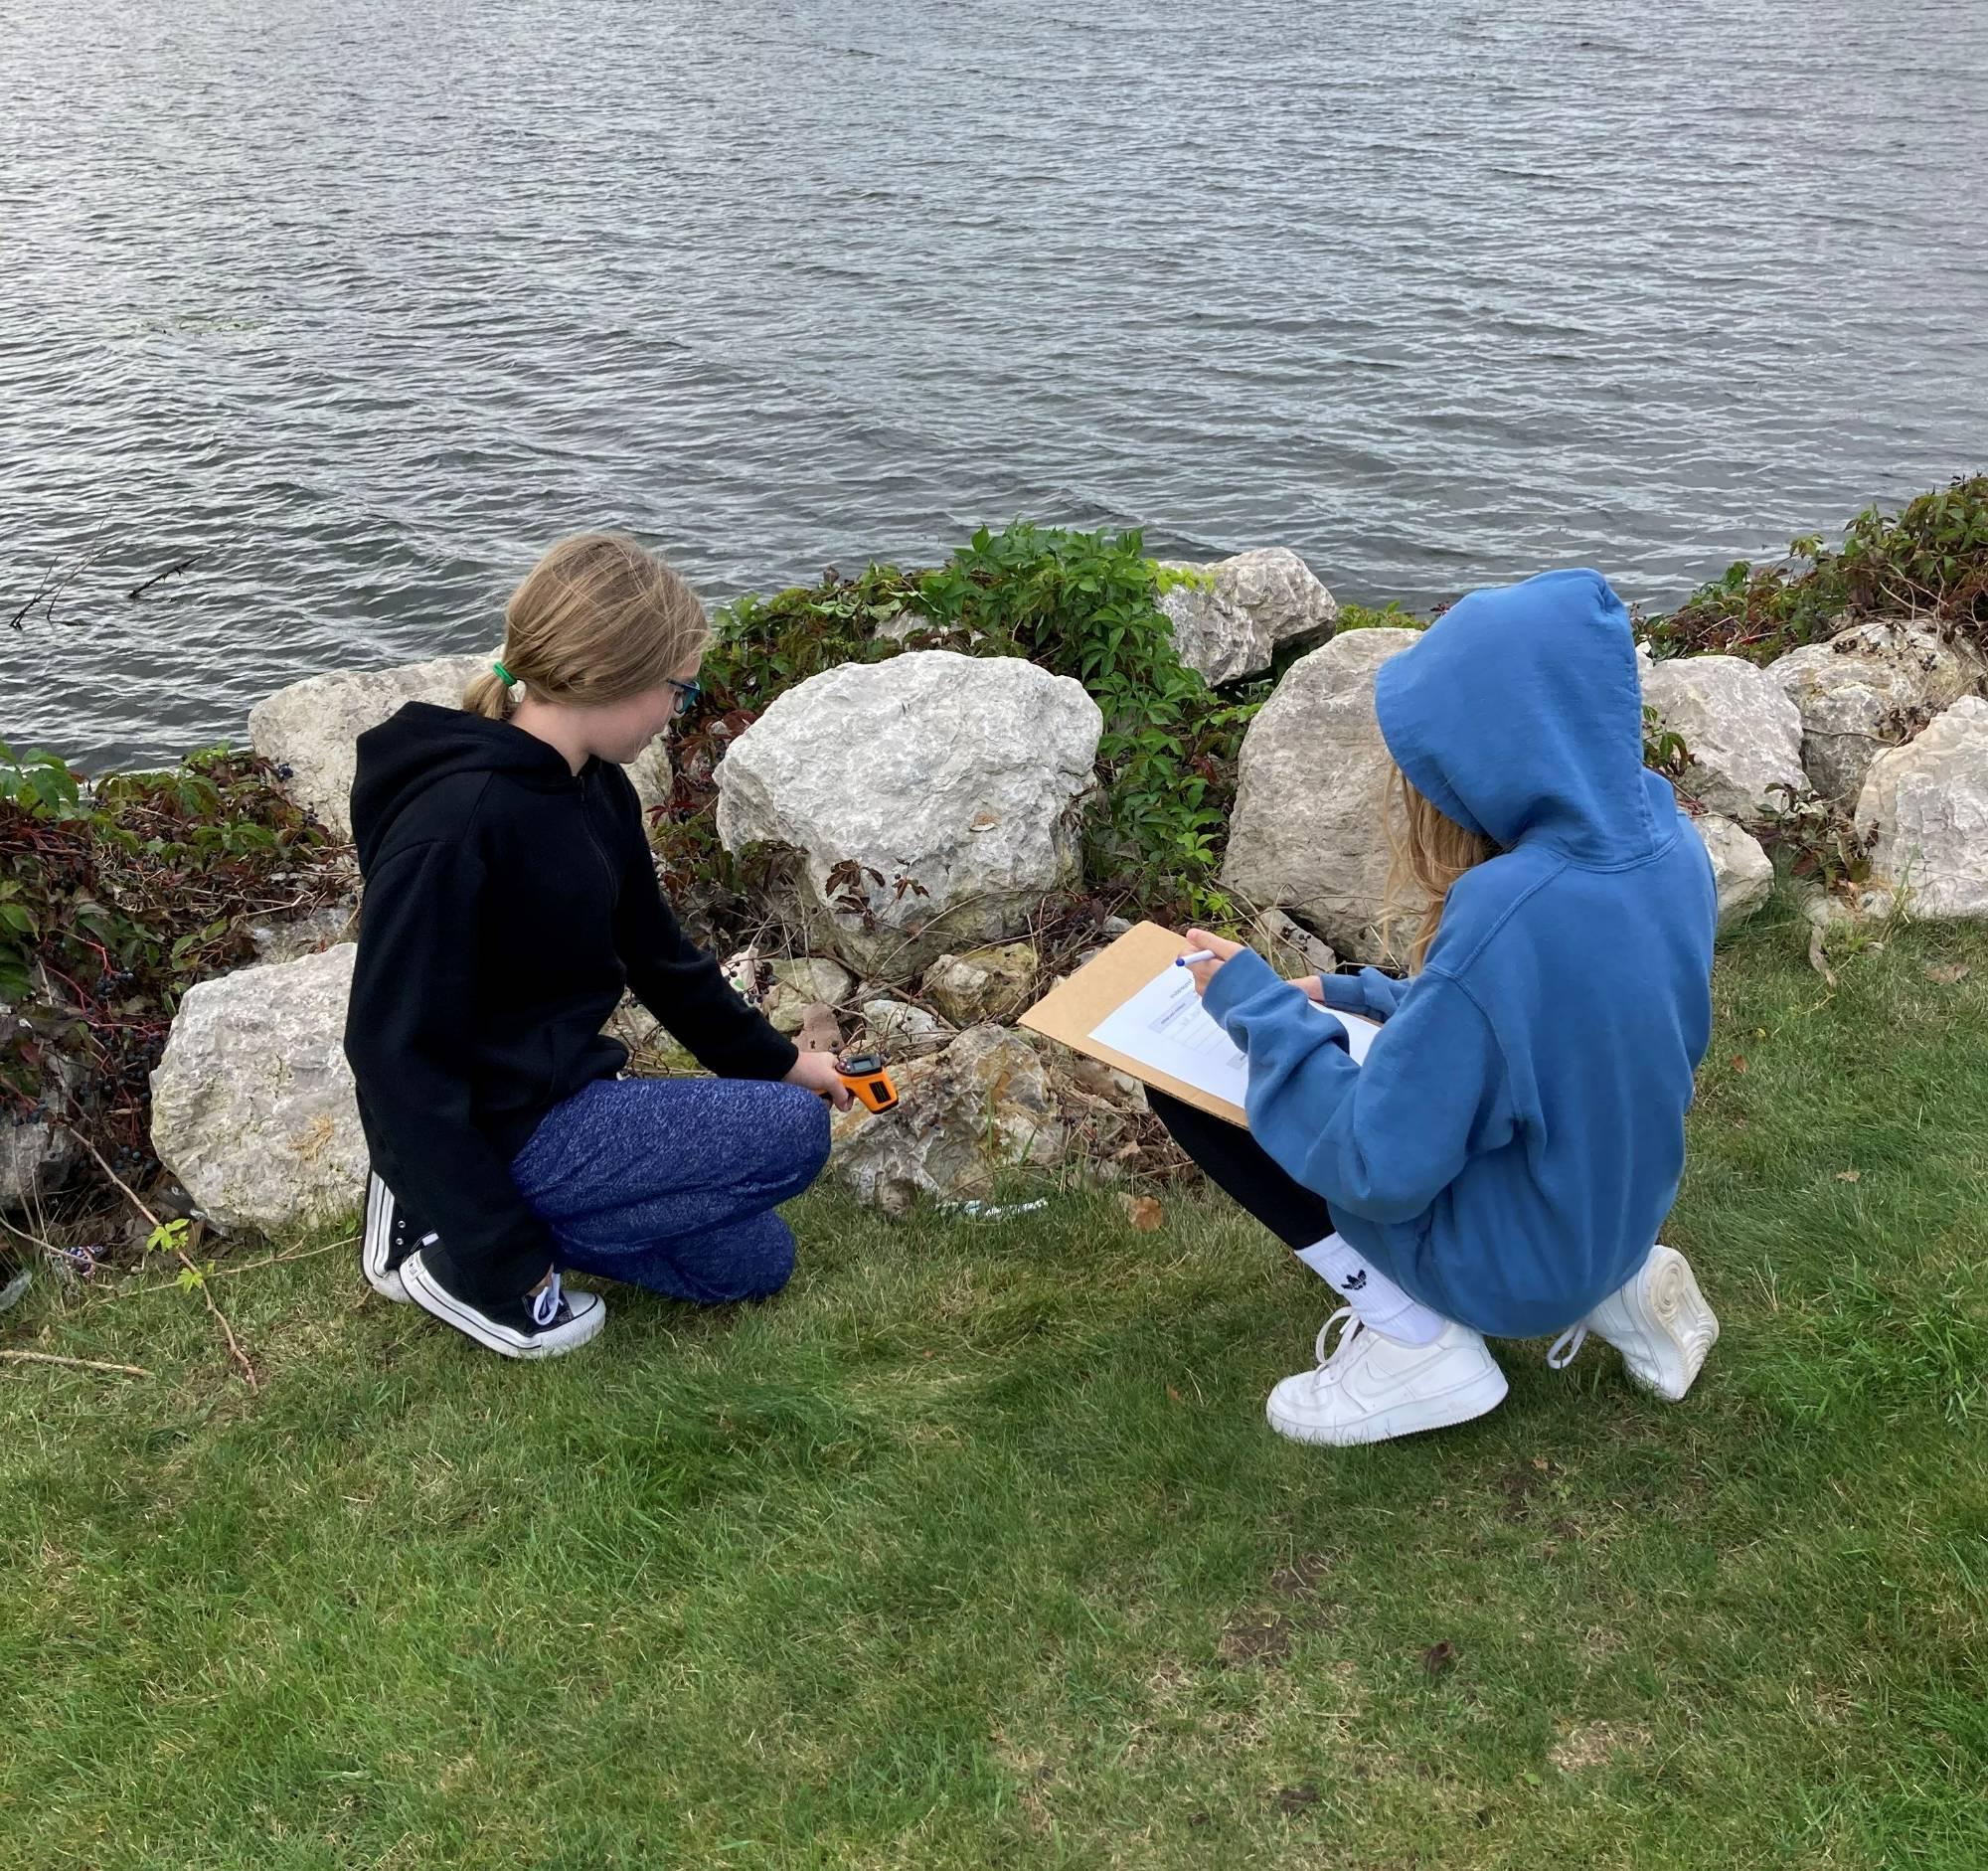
(688, 693)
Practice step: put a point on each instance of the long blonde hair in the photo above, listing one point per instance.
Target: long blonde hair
(597, 620)
(1427, 852)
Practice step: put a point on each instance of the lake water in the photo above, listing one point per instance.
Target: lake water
(364, 304)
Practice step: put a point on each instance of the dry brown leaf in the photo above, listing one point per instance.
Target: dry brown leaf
(1144, 1212)
(1738, 1062)
(1438, 1658)
(1947, 975)
(1818, 958)
(819, 1032)
(1849, 1175)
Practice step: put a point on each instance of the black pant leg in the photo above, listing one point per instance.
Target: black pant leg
(1240, 1167)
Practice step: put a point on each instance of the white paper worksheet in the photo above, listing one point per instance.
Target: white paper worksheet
(1165, 1027)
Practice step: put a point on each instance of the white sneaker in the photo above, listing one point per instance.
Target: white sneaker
(1658, 1321)
(547, 1323)
(1369, 1389)
(390, 1235)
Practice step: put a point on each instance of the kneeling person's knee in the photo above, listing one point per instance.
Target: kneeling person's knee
(803, 1135)
(761, 1273)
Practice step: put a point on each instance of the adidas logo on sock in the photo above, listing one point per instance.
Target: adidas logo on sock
(1353, 1282)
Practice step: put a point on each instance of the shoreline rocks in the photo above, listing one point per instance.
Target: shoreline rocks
(1240, 612)
(914, 806)
(252, 1103)
(1307, 833)
(309, 730)
(916, 813)
(1925, 805)
(1744, 734)
(983, 1106)
(1871, 687)
(1741, 867)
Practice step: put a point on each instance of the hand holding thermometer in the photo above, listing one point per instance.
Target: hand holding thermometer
(868, 1081)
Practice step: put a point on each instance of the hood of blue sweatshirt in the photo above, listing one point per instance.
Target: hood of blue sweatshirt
(1520, 716)
(1515, 1137)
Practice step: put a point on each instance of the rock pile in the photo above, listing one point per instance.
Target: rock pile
(916, 813)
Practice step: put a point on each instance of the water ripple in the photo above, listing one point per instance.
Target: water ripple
(364, 304)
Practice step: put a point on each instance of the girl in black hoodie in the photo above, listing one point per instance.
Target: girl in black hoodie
(510, 898)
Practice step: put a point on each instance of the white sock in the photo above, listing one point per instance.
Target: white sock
(1377, 1301)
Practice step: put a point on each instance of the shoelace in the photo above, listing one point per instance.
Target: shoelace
(1346, 1340)
(1562, 1352)
(545, 1301)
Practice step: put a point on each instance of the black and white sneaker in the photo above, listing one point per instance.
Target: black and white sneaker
(539, 1324)
(390, 1235)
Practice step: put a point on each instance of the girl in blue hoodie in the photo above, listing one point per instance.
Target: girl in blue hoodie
(1502, 1163)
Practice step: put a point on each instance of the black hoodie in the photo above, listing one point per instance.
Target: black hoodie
(508, 903)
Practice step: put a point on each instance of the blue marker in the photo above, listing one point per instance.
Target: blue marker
(1199, 954)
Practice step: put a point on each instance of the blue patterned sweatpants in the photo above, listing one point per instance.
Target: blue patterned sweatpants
(671, 1183)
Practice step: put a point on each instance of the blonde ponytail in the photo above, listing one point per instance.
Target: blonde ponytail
(488, 694)
(597, 620)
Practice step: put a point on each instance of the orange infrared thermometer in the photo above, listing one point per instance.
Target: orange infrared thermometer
(867, 1080)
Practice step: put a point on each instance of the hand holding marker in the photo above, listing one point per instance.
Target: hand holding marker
(1214, 950)
(1207, 954)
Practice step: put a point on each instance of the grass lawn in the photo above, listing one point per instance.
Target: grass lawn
(973, 1549)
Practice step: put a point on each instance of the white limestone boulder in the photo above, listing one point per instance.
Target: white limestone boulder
(965, 1116)
(1925, 805)
(1741, 868)
(901, 1031)
(985, 984)
(1308, 831)
(914, 806)
(1743, 734)
(1240, 612)
(1869, 688)
(308, 731)
(802, 983)
(252, 1103)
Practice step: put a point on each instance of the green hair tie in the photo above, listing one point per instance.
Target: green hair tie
(504, 675)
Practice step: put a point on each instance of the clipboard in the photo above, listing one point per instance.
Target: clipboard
(1070, 1011)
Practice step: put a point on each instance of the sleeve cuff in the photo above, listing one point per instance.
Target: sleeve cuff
(1347, 992)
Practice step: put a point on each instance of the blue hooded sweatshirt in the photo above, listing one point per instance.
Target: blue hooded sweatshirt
(1514, 1139)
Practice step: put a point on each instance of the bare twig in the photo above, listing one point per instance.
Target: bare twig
(82, 566)
(246, 1267)
(78, 1364)
(200, 1279)
(138, 591)
(41, 590)
(55, 582)
(33, 1240)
